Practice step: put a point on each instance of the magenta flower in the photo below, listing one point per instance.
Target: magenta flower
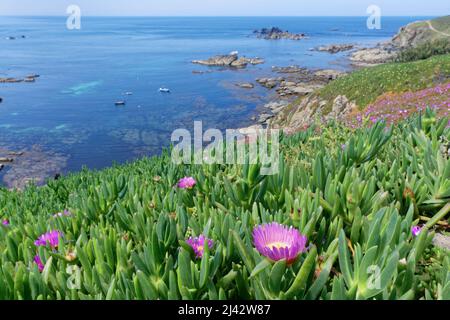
(276, 242)
(39, 263)
(198, 244)
(186, 183)
(5, 222)
(65, 213)
(51, 238)
(416, 230)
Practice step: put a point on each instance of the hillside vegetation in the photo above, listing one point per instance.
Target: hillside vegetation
(364, 86)
(365, 200)
(420, 32)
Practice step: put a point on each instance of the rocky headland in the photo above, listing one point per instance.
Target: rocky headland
(297, 102)
(409, 36)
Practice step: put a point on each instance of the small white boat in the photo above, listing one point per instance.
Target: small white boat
(120, 103)
(128, 93)
(234, 53)
(164, 90)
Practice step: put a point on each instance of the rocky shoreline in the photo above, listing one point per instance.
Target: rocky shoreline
(294, 82)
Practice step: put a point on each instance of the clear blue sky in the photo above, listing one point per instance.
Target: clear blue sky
(227, 7)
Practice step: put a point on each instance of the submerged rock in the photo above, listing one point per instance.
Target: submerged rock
(246, 85)
(33, 166)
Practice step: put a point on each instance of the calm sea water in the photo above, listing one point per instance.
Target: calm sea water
(70, 109)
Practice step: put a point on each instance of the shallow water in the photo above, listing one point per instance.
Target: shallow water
(70, 111)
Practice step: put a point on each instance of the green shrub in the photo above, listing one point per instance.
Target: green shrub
(424, 51)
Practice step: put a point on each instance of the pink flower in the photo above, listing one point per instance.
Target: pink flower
(416, 230)
(186, 183)
(198, 244)
(5, 222)
(51, 238)
(276, 242)
(39, 263)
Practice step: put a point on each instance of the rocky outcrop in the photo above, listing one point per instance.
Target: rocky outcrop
(329, 74)
(341, 108)
(29, 78)
(298, 81)
(335, 48)
(269, 83)
(229, 60)
(277, 34)
(373, 56)
(302, 114)
(300, 89)
(245, 85)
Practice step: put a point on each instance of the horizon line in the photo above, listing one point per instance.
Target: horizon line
(216, 16)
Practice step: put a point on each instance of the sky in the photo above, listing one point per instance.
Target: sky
(226, 7)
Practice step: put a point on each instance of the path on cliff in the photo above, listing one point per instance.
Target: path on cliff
(440, 32)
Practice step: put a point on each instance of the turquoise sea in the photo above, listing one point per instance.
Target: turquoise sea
(68, 115)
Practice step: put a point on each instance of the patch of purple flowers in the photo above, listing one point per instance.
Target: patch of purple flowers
(199, 243)
(186, 183)
(50, 238)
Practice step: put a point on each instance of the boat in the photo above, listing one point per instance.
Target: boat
(120, 103)
(164, 90)
(128, 93)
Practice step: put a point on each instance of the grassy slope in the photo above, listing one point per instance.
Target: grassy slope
(442, 24)
(365, 85)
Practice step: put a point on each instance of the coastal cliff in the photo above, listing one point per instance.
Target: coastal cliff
(362, 90)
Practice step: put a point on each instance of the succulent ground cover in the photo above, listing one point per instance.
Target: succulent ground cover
(350, 215)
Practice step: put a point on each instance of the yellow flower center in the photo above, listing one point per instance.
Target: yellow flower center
(277, 245)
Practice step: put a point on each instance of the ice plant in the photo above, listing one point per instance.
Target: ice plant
(416, 230)
(51, 238)
(39, 263)
(186, 183)
(276, 242)
(198, 244)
